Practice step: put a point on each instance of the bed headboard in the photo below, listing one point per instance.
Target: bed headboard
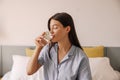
(6, 53)
(114, 55)
(6, 56)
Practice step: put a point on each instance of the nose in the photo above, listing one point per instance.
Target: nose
(51, 31)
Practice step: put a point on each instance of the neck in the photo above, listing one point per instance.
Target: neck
(64, 45)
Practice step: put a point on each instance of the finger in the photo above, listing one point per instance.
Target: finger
(39, 38)
(43, 41)
(39, 43)
(43, 33)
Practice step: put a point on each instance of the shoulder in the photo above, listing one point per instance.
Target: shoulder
(81, 58)
(46, 47)
(80, 53)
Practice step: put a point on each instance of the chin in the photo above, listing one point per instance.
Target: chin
(54, 41)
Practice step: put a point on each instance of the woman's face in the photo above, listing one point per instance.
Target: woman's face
(57, 30)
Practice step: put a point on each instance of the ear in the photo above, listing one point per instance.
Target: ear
(68, 29)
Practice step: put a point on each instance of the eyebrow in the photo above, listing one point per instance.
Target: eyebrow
(53, 24)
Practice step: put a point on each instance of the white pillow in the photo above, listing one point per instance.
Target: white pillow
(18, 71)
(101, 69)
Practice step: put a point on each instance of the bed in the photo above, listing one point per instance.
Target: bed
(13, 61)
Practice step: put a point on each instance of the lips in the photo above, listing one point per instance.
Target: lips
(52, 36)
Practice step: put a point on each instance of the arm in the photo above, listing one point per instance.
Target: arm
(33, 64)
(84, 72)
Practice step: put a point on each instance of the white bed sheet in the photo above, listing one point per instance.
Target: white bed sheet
(7, 76)
(100, 69)
(118, 74)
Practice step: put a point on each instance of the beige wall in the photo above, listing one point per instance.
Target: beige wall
(97, 21)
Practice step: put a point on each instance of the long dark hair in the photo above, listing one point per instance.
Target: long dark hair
(66, 20)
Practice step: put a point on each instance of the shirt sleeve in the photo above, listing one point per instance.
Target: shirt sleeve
(84, 72)
(43, 54)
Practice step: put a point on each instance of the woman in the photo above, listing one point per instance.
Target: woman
(62, 58)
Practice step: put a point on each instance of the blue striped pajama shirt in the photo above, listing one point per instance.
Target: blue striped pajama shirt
(74, 66)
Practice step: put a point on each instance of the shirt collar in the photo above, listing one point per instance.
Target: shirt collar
(54, 52)
(69, 53)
